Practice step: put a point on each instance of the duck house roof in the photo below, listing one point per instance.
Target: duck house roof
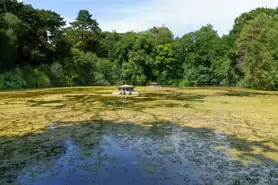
(125, 86)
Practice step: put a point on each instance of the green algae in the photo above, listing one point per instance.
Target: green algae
(248, 115)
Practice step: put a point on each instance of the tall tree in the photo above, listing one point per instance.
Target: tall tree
(244, 18)
(250, 33)
(261, 60)
(200, 50)
(84, 32)
(162, 35)
(8, 39)
(165, 63)
(85, 22)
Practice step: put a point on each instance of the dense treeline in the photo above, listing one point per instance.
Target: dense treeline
(37, 50)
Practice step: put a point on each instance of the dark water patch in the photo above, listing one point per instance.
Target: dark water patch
(169, 105)
(247, 93)
(101, 152)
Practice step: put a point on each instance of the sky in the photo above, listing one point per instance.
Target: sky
(181, 16)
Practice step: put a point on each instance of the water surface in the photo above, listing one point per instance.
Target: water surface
(108, 153)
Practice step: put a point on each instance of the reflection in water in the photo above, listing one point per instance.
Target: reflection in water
(79, 153)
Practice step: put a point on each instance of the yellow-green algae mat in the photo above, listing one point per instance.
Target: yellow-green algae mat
(248, 117)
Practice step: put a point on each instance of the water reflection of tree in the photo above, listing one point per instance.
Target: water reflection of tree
(18, 153)
(163, 151)
(148, 143)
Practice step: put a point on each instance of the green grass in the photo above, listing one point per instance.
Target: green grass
(248, 117)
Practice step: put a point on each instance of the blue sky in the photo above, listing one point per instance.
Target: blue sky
(181, 16)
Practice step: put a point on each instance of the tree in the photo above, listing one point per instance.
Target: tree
(132, 73)
(261, 60)
(8, 40)
(30, 27)
(108, 40)
(85, 22)
(139, 49)
(84, 32)
(82, 68)
(250, 33)
(244, 18)
(110, 71)
(165, 63)
(162, 35)
(200, 50)
(37, 49)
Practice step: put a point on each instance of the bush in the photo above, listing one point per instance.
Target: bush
(42, 80)
(2, 82)
(57, 76)
(12, 80)
(36, 79)
(183, 83)
(180, 83)
(99, 79)
(30, 78)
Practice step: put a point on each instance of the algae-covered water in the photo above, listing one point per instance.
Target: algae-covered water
(108, 153)
(73, 136)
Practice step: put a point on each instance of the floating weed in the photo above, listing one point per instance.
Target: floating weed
(223, 148)
(167, 148)
(248, 117)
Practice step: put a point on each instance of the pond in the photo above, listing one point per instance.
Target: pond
(108, 153)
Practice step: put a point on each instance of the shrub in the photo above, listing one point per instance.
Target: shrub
(42, 80)
(99, 79)
(36, 79)
(57, 76)
(30, 78)
(2, 82)
(183, 83)
(12, 80)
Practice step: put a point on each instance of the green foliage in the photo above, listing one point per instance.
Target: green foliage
(221, 71)
(135, 54)
(84, 32)
(180, 83)
(244, 18)
(250, 33)
(28, 28)
(261, 64)
(85, 22)
(81, 55)
(165, 63)
(99, 79)
(12, 80)
(8, 40)
(56, 74)
(7, 52)
(42, 80)
(82, 67)
(162, 35)
(36, 79)
(201, 50)
(132, 73)
(11, 21)
(107, 70)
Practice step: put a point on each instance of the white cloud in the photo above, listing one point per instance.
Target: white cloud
(182, 16)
